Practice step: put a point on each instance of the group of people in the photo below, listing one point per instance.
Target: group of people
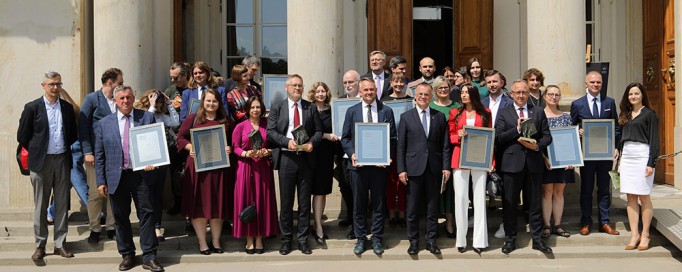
(61, 137)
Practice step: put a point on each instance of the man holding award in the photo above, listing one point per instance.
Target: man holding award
(293, 128)
(521, 131)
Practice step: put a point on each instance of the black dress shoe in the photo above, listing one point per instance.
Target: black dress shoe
(259, 250)
(127, 263)
(509, 246)
(478, 250)
(94, 237)
(433, 248)
(152, 265)
(111, 234)
(285, 249)
(413, 249)
(542, 246)
(205, 252)
(351, 234)
(216, 250)
(345, 223)
(318, 239)
(359, 247)
(250, 251)
(462, 249)
(377, 248)
(304, 248)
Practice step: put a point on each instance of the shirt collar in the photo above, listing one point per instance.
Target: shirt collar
(379, 75)
(47, 102)
(374, 104)
(516, 107)
(590, 97)
(291, 102)
(119, 114)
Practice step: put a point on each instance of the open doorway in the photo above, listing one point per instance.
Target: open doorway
(433, 25)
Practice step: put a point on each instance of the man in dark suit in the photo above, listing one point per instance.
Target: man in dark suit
(116, 179)
(423, 165)
(253, 64)
(427, 67)
(522, 164)
(47, 129)
(496, 100)
(95, 106)
(367, 179)
(381, 77)
(294, 162)
(595, 106)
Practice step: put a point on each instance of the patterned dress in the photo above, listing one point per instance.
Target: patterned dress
(236, 101)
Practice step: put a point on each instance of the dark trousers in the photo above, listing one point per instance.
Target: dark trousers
(132, 186)
(420, 189)
(342, 175)
(157, 180)
(587, 174)
(372, 180)
(295, 177)
(530, 183)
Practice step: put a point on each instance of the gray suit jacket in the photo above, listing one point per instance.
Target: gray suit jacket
(94, 108)
(108, 148)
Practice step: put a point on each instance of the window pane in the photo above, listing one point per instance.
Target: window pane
(239, 40)
(273, 11)
(274, 41)
(588, 10)
(240, 11)
(274, 66)
(231, 62)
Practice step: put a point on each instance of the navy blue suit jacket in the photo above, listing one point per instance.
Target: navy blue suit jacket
(423, 152)
(354, 115)
(109, 150)
(94, 108)
(580, 110)
(194, 94)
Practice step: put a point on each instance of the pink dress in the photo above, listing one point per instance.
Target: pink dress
(254, 184)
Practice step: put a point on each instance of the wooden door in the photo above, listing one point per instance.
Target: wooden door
(389, 29)
(474, 32)
(659, 54)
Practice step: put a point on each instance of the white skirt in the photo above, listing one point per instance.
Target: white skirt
(633, 163)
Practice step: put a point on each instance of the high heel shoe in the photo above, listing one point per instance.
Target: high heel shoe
(462, 249)
(629, 247)
(644, 247)
(259, 250)
(319, 239)
(250, 251)
(205, 252)
(478, 250)
(216, 250)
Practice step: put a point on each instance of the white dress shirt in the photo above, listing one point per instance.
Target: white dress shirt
(590, 102)
(428, 118)
(494, 106)
(55, 140)
(112, 105)
(122, 122)
(375, 114)
(291, 116)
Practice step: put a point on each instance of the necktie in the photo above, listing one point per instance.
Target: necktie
(297, 119)
(521, 113)
(126, 141)
(369, 114)
(595, 109)
(201, 91)
(424, 124)
(377, 82)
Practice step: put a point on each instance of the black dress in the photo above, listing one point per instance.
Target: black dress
(324, 152)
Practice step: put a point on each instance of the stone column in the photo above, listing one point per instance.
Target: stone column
(314, 41)
(553, 40)
(123, 38)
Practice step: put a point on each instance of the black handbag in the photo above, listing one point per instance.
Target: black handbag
(248, 214)
(494, 185)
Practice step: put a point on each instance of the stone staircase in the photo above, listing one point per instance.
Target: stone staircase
(17, 243)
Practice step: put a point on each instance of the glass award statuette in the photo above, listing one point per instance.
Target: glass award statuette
(527, 130)
(256, 139)
(300, 136)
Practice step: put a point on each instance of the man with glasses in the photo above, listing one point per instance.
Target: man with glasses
(522, 164)
(377, 60)
(294, 161)
(427, 67)
(179, 77)
(253, 64)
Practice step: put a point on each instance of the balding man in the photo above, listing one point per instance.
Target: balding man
(351, 84)
(595, 106)
(427, 67)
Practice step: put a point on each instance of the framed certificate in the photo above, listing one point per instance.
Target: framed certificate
(565, 149)
(598, 139)
(194, 105)
(339, 108)
(476, 150)
(372, 143)
(399, 107)
(148, 146)
(209, 148)
(273, 89)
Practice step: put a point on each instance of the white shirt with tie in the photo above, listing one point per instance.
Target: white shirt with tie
(375, 113)
(379, 81)
(426, 112)
(590, 102)
(291, 116)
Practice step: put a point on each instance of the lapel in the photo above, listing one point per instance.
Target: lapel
(103, 102)
(284, 116)
(43, 111)
(603, 106)
(114, 130)
(137, 117)
(380, 112)
(586, 109)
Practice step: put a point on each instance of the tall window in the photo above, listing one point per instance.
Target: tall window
(257, 27)
(592, 29)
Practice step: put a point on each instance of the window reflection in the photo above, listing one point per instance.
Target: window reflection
(274, 65)
(240, 40)
(273, 11)
(274, 41)
(240, 11)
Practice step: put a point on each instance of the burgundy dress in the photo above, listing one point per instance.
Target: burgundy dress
(204, 194)
(254, 184)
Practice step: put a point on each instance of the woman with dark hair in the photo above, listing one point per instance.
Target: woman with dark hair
(205, 194)
(237, 97)
(535, 79)
(320, 94)
(475, 73)
(639, 150)
(471, 113)
(156, 102)
(255, 183)
(460, 77)
(555, 180)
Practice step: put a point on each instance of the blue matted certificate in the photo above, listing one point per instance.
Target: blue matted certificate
(598, 139)
(372, 143)
(565, 148)
(194, 105)
(209, 148)
(339, 108)
(148, 146)
(476, 150)
(273, 89)
(399, 107)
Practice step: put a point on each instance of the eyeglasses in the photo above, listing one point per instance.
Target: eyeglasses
(441, 88)
(174, 78)
(349, 82)
(375, 60)
(553, 95)
(55, 85)
(296, 85)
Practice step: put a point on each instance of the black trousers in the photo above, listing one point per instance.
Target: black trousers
(132, 186)
(295, 178)
(587, 176)
(423, 189)
(342, 175)
(157, 180)
(370, 180)
(531, 184)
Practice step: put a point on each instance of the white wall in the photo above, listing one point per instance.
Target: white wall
(507, 39)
